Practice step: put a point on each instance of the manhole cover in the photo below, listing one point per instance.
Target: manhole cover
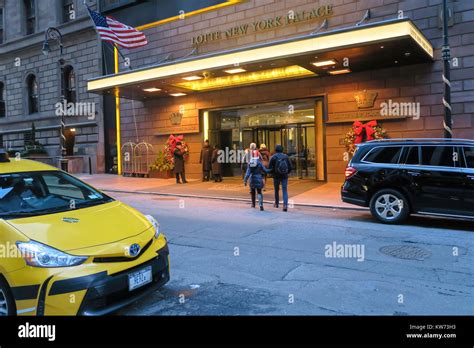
(405, 252)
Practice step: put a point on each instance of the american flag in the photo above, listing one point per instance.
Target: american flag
(118, 33)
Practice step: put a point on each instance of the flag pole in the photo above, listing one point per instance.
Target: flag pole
(117, 99)
(117, 115)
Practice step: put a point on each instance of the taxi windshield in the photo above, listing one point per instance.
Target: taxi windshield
(39, 193)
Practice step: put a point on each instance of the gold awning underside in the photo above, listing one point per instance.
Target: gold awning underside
(370, 46)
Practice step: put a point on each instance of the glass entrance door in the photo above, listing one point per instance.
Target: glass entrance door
(271, 124)
(298, 142)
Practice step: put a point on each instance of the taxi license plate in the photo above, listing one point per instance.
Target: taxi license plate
(140, 278)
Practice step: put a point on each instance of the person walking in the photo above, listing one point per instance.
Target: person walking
(254, 151)
(265, 160)
(216, 165)
(255, 171)
(205, 160)
(245, 162)
(280, 167)
(178, 169)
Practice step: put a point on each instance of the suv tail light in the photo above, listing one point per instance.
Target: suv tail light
(350, 172)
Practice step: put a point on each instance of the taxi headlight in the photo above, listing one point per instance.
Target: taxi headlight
(155, 224)
(40, 255)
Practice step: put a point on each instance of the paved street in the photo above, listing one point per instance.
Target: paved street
(228, 259)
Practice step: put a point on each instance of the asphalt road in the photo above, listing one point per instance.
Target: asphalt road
(228, 259)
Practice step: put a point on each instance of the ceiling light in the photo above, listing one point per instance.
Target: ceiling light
(152, 89)
(177, 94)
(192, 78)
(338, 72)
(235, 71)
(260, 76)
(324, 62)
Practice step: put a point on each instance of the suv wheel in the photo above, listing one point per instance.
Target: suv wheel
(389, 206)
(7, 305)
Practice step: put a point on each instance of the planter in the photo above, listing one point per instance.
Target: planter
(155, 174)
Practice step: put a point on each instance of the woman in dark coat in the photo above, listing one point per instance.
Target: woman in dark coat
(205, 160)
(216, 166)
(178, 169)
(255, 172)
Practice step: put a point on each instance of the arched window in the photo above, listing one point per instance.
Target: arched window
(2, 100)
(70, 84)
(32, 89)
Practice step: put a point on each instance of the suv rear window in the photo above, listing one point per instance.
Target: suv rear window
(442, 156)
(469, 154)
(384, 154)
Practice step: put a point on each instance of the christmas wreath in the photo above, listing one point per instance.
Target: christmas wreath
(361, 132)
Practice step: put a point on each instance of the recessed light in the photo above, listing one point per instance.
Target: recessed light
(407, 54)
(382, 46)
(177, 94)
(235, 71)
(396, 62)
(324, 62)
(152, 89)
(338, 72)
(192, 78)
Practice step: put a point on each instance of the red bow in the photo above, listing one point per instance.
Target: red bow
(359, 129)
(172, 140)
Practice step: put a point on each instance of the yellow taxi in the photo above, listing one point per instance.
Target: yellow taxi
(69, 249)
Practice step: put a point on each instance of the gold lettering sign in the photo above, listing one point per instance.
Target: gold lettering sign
(291, 17)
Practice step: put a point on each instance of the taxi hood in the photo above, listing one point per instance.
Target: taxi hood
(84, 228)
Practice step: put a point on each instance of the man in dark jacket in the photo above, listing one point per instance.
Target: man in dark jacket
(205, 160)
(178, 155)
(280, 167)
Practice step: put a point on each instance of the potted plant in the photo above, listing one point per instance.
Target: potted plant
(162, 166)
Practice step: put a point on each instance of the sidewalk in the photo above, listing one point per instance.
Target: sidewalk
(301, 192)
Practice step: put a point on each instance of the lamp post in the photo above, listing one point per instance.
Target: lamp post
(446, 54)
(53, 34)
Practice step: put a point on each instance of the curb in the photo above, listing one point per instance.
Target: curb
(232, 199)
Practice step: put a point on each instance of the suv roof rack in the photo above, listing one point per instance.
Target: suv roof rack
(422, 139)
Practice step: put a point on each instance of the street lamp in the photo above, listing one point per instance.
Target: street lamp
(53, 34)
(446, 54)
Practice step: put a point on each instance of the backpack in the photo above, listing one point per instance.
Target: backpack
(281, 166)
(254, 159)
(253, 162)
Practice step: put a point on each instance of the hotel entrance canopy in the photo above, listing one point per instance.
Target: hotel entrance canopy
(347, 50)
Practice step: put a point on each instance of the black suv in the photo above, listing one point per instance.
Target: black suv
(424, 176)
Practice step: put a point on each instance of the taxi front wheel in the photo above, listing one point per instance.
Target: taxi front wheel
(7, 305)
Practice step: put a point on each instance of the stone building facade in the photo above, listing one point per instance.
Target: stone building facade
(21, 58)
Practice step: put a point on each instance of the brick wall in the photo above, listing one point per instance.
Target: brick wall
(418, 83)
